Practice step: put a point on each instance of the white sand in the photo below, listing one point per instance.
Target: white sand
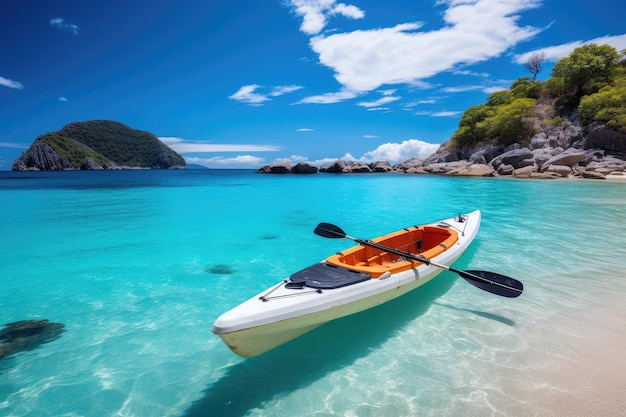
(613, 177)
(586, 374)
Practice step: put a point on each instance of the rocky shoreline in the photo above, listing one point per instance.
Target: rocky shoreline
(568, 150)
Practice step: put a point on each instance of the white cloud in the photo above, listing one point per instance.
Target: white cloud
(463, 88)
(399, 152)
(488, 89)
(187, 146)
(13, 145)
(315, 13)
(298, 158)
(10, 83)
(446, 113)
(364, 60)
(420, 102)
(305, 129)
(556, 52)
(329, 98)
(280, 90)
(346, 10)
(495, 88)
(472, 73)
(387, 98)
(393, 153)
(60, 23)
(221, 162)
(63, 99)
(438, 114)
(248, 93)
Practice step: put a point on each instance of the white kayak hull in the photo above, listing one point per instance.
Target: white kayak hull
(281, 314)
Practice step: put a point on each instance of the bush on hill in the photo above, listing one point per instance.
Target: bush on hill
(74, 153)
(590, 81)
(121, 144)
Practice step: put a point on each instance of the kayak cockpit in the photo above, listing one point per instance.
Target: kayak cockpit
(428, 241)
(326, 276)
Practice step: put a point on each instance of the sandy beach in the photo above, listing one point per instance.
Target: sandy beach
(586, 374)
(614, 177)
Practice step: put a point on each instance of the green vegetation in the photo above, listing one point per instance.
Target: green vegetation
(607, 105)
(587, 69)
(503, 123)
(122, 145)
(590, 81)
(74, 153)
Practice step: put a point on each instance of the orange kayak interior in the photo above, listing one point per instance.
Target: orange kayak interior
(427, 241)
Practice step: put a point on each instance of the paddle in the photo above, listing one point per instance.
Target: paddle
(488, 281)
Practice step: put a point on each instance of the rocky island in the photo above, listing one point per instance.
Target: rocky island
(571, 125)
(568, 150)
(95, 145)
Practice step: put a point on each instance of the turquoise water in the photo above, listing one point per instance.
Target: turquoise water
(138, 265)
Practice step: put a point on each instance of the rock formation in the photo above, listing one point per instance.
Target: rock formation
(41, 157)
(95, 145)
(568, 150)
(27, 335)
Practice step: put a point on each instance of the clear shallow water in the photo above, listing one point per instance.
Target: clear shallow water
(138, 265)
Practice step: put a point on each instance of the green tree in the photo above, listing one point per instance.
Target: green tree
(525, 87)
(469, 131)
(499, 98)
(510, 123)
(505, 123)
(608, 106)
(585, 66)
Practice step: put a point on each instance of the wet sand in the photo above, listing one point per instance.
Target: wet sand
(586, 374)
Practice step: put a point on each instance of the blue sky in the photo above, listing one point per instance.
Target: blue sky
(240, 84)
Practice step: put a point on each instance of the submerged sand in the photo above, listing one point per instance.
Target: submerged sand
(586, 374)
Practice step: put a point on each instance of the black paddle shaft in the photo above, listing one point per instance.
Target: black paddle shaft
(488, 281)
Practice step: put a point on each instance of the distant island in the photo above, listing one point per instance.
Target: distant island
(96, 145)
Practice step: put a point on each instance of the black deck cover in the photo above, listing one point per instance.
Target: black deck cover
(326, 276)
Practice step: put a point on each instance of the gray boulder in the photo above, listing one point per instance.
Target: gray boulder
(568, 158)
(276, 168)
(380, 166)
(476, 170)
(339, 166)
(505, 169)
(91, 165)
(516, 158)
(607, 139)
(410, 164)
(360, 168)
(304, 168)
(607, 165)
(485, 155)
(562, 170)
(524, 172)
(540, 140)
(445, 167)
(416, 170)
(592, 175)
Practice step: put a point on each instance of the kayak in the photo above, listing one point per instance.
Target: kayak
(356, 279)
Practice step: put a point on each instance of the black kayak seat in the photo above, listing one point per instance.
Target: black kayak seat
(326, 276)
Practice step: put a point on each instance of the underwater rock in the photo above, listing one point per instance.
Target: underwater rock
(27, 335)
(221, 269)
